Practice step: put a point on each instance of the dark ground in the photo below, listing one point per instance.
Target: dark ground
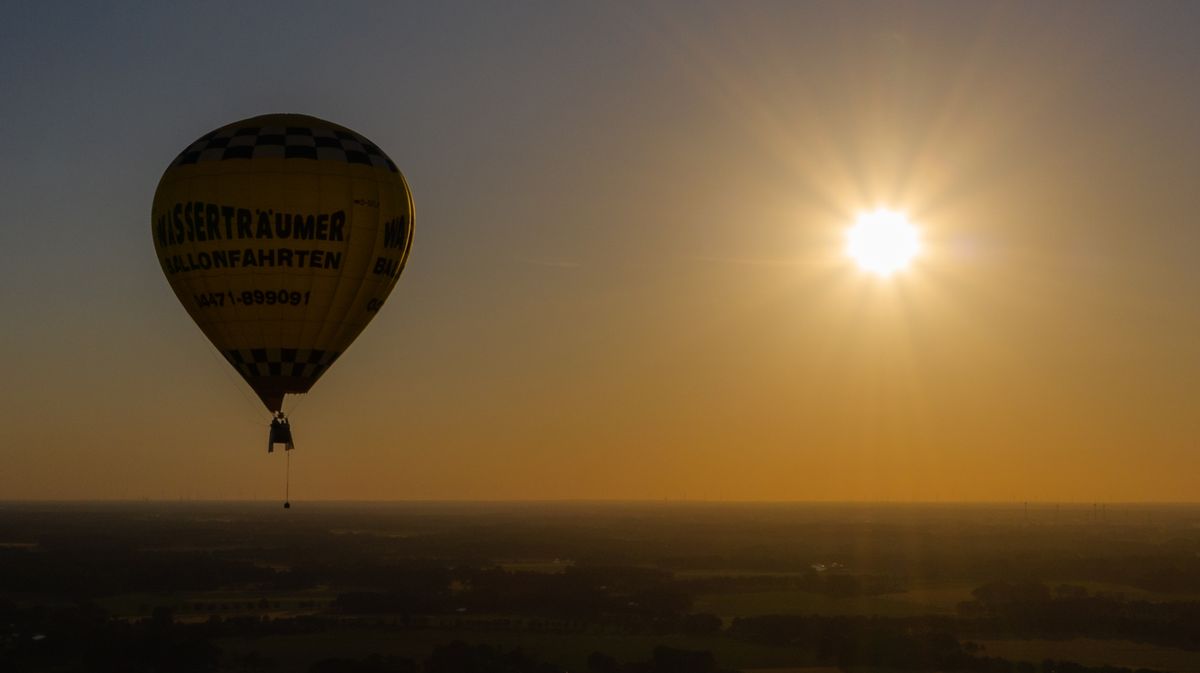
(630, 587)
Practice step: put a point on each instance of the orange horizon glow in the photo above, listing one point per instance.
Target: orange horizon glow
(629, 278)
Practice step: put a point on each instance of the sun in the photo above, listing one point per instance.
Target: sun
(883, 242)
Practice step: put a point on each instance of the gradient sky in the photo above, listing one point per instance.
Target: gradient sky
(627, 279)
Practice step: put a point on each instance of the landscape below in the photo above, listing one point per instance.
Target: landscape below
(599, 587)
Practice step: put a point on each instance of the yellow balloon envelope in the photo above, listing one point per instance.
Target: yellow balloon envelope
(282, 236)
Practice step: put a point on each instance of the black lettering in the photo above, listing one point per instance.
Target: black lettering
(266, 257)
(301, 257)
(283, 225)
(264, 226)
(196, 224)
(315, 261)
(205, 260)
(395, 233)
(243, 222)
(285, 257)
(220, 259)
(227, 212)
(176, 234)
(248, 258)
(235, 256)
(187, 220)
(212, 219)
(333, 260)
(386, 266)
(337, 222)
(304, 227)
(308, 228)
(389, 233)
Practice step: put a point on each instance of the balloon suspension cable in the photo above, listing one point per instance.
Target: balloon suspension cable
(287, 480)
(281, 433)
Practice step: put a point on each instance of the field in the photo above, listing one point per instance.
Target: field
(84, 583)
(568, 650)
(1092, 652)
(198, 606)
(922, 599)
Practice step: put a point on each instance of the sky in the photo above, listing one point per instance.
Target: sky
(628, 278)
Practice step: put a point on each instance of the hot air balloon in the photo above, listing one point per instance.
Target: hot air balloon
(282, 236)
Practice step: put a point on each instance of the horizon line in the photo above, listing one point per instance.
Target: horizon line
(598, 501)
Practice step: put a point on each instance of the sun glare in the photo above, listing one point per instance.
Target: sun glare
(882, 242)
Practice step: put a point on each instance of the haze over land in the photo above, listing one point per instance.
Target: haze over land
(602, 588)
(627, 280)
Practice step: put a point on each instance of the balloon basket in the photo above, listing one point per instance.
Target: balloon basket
(281, 433)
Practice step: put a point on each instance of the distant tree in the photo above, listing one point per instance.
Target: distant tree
(998, 596)
(598, 662)
(702, 624)
(671, 660)
(163, 616)
(373, 663)
(1070, 591)
(843, 586)
(459, 657)
(254, 661)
